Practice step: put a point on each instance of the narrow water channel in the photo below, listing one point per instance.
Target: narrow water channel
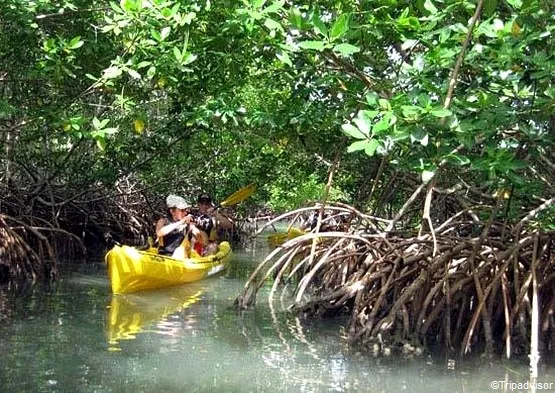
(74, 336)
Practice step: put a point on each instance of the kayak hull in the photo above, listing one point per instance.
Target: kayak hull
(132, 270)
(277, 239)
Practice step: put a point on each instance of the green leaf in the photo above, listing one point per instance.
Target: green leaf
(353, 131)
(284, 58)
(110, 131)
(363, 121)
(489, 7)
(188, 18)
(101, 143)
(316, 45)
(258, 3)
(189, 58)
(367, 114)
(441, 112)
(165, 33)
(358, 145)
(409, 22)
(424, 100)
(274, 7)
(430, 7)
(115, 7)
(75, 43)
(96, 123)
(370, 149)
(319, 26)
(127, 5)
(156, 35)
(273, 25)
(384, 104)
(387, 121)
(134, 74)
(112, 72)
(295, 17)
(177, 54)
(340, 27)
(368, 145)
(103, 123)
(411, 111)
(372, 99)
(419, 135)
(143, 64)
(516, 4)
(457, 159)
(107, 28)
(346, 49)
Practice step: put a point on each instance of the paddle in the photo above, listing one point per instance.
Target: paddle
(239, 195)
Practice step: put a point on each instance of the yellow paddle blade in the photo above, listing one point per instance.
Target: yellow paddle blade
(239, 195)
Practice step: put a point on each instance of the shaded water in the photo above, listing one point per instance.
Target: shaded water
(76, 337)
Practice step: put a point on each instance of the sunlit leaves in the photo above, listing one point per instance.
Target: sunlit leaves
(112, 72)
(272, 24)
(457, 159)
(353, 131)
(295, 17)
(319, 26)
(408, 22)
(100, 131)
(339, 27)
(346, 49)
(368, 145)
(368, 126)
(133, 73)
(302, 72)
(419, 135)
(430, 7)
(164, 33)
(75, 43)
(440, 112)
(314, 45)
(364, 120)
(284, 58)
(516, 4)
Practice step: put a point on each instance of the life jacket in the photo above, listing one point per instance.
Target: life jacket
(170, 242)
(206, 224)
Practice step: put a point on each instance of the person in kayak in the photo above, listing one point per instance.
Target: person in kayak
(209, 221)
(177, 233)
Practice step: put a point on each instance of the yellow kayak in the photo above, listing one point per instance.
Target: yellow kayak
(131, 270)
(277, 239)
(131, 314)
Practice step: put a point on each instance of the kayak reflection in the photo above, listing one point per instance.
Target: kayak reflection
(134, 313)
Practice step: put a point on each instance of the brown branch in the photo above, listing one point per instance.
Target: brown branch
(458, 63)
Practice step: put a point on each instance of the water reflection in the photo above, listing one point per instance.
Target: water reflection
(130, 314)
(77, 337)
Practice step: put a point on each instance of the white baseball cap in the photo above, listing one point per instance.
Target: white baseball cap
(177, 202)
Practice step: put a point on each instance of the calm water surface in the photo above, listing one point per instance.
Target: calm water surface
(76, 337)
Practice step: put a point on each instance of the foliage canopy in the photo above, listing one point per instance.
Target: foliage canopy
(167, 94)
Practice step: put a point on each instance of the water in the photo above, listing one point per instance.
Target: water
(76, 337)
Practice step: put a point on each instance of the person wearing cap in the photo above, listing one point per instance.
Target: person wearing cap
(173, 231)
(209, 221)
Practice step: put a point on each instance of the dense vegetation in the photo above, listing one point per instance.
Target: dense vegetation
(413, 111)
